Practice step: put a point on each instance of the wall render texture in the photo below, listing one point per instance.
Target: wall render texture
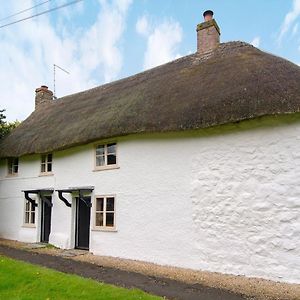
(223, 200)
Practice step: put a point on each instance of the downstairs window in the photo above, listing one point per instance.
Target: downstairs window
(29, 213)
(105, 213)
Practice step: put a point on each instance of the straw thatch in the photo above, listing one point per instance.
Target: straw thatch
(233, 83)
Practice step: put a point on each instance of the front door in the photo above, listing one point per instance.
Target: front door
(45, 220)
(83, 215)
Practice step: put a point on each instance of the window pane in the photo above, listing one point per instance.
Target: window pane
(99, 204)
(16, 161)
(49, 167)
(43, 168)
(27, 217)
(110, 204)
(100, 161)
(15, 169)
(99, 219)
(32, 218)
(43, 159)
(111, 149)
(100, 150)
(49, 157)
(27, 206)
(110, 219)
(111, 159)
(32, 207)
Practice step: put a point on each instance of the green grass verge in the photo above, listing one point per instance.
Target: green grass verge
(50, 246)
(19, 280)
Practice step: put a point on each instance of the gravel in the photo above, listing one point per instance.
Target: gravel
(254, 288)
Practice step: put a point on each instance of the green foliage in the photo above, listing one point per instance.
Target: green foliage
(50, 246)
(20, 281)
(6, 127)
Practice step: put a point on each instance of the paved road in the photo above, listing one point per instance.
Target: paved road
(171, 289)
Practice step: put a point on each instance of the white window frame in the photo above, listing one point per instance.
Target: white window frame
(95, 211)
(12, 162)
(46, 163)
(30, 211)
(105, 166)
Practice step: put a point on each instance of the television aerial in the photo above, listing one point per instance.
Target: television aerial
(54, 78)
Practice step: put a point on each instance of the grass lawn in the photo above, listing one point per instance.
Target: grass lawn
(19, 280)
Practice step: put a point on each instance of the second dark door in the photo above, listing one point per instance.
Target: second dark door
(45, 221)
(83, 215)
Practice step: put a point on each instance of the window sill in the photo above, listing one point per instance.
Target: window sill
(46, 174)
(104, 168)
(28, 226)
(104, 229)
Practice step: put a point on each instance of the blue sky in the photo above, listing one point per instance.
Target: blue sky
(100, 41)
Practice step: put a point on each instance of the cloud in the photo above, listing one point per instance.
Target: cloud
(29, 49)
(256, 42)
(99, 46)
(162, 41)
(295, 29)
(142, 26)
(289, 19)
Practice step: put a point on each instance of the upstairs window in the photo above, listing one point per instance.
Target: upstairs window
(46, 163)
(29, 213)
(105, 213)
(13, 166)
(106, 156)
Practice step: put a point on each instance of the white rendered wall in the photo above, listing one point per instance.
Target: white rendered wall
(12, 199)
(223, 200)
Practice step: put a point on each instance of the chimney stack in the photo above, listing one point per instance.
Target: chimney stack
(208, 33)
(42, 95)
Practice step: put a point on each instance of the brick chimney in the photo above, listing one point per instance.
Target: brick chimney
(42, 95)
(208, 33)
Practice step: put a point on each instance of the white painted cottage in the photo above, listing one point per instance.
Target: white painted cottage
(193, 164)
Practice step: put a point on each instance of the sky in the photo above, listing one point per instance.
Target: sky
(100, 41)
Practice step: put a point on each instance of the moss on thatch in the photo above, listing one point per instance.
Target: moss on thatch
(235, 82)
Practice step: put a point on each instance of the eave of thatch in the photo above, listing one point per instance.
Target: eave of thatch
(233, 83)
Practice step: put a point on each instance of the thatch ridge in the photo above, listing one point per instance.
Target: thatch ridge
(232, 83)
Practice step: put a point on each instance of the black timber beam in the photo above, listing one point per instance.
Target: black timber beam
(45, 199)
(79, 190)
(42, 194)
(26, 194)
(81, 198)
(62, 198)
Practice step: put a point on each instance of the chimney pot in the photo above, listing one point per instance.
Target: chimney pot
(208, 33)
(208, 15)
(42, 96)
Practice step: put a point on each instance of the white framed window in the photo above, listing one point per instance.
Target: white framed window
(105, 213)
(29, 218)
(13, 166)
(106, 156)
(46, 163)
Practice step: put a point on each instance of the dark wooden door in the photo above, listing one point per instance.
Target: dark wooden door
(45, 221)
(83, 216)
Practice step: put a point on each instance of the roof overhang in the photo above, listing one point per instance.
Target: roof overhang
(80, 190)
(42, 193)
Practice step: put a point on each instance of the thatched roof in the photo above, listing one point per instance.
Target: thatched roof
(233, 83)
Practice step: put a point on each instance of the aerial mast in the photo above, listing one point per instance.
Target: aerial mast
(54, 78)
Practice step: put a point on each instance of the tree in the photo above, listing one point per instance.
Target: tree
(6, 127)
